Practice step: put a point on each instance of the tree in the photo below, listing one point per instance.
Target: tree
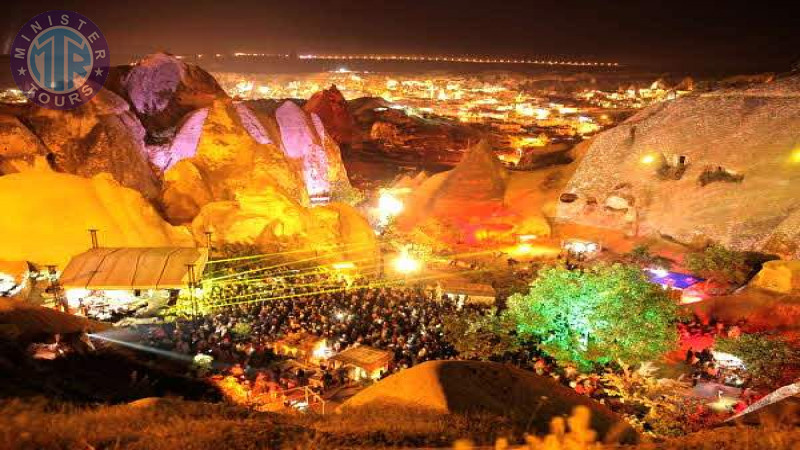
(479, 335)
(643, 257)
(717, 263)
(767, 360)
(596, 315)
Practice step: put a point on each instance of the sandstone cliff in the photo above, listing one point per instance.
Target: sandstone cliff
(227, 162)
(46, 216)
(722, 166)
(248, 171)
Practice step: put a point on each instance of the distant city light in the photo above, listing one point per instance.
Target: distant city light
(459, 59)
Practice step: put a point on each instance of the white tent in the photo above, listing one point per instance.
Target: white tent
(134, 268)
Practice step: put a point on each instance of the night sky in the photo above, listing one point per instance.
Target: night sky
(680, 35)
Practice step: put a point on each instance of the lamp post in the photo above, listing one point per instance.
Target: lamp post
(192, 283)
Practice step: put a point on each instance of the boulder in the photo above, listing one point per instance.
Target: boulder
(18, 146)
(162, 90)
(274, 222)
(47, 215)
(718, 166)
(779, 276)
(331, 107)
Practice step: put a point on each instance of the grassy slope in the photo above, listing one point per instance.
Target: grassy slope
(173, 424)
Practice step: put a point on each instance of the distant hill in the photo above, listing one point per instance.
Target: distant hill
(722, 165)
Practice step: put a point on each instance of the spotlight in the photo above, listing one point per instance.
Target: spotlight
(405, 264)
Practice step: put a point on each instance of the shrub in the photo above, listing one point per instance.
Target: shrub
(768, 360)
(717, 263)
(711, 175)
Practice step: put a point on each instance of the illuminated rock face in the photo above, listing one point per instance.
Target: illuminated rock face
(318, 156)
(273, 222)
(228, 162)
(49, 222)
(471, 195)
(251, 123)
(243, 170)
(779, 276)
(100, 136)
(247, 190)
(163, 89)
(303, 146)
(184, 144)
(467, 204)
(715, 166)
(331, 107)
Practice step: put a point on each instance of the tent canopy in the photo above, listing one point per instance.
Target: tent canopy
(134, 268)
(455, 286)
(365, 357)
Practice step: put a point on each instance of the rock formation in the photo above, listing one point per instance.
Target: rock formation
(719, 166)
(779, 276)
(273, 222)
(162, 90)
(18, 146)
(247, 170)
(331, 107)
(227, 162)
(250, 178)
(306, 142)
(468, 203)
(381, 125)
(100, 136)
(47, 215)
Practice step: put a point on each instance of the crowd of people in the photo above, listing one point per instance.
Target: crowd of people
(405, 321)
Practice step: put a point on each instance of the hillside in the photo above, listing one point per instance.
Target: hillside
(722, 165)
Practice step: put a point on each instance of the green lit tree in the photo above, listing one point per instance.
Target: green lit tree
(479, 335)
(717, 263)
(597, 315)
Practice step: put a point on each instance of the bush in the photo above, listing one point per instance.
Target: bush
(479, 335)
(711, 175)
(717, 263)
(768, 360)
(643, 257)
